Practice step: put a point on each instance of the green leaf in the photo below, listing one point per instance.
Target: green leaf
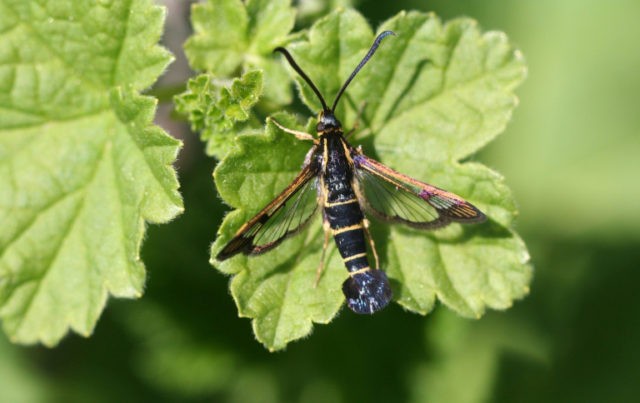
(311, 10)
(459, 101)
(230, 35)
(81, 165)
(434, 95)
(216, 111)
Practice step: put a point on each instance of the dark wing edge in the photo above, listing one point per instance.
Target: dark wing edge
(392, 196)
(283, 217)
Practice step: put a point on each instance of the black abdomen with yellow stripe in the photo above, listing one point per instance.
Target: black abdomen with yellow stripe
(367, 289)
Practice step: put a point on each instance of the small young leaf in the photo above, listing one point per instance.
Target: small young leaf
(230, 34)
(81, 165)
(434, 95)
(216, 111)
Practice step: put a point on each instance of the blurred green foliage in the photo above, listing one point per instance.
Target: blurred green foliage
(571, 154)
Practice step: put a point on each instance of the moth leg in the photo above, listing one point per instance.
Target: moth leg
(299, 135)
(327, 236)
(372, 244)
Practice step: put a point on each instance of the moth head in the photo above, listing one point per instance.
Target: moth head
(327, 121)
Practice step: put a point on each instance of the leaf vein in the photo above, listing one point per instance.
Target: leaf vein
(47, 269)
(308, 240)
(118, 53)
(387, 85)
(59, 56)
(449, 283)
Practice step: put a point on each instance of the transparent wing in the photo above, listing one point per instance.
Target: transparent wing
(392, 196)
(283, 217)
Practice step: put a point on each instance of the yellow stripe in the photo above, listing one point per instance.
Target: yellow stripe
(328, 204)
(347, 152)
(347, 229)
(359, 271)
(325, 154)
(352, 257)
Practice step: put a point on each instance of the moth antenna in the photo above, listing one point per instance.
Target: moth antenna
(364, 60)
(306, 78)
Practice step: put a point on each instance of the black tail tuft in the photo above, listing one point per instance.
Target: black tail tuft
(367, 292)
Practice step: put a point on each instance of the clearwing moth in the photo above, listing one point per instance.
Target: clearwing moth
(345, 184)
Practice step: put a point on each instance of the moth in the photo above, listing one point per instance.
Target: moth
(344, 183)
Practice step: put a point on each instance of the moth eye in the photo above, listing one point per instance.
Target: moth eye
(320, 127)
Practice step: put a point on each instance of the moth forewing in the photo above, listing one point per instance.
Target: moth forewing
(284, 216)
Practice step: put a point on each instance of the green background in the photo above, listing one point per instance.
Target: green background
(571, 155)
